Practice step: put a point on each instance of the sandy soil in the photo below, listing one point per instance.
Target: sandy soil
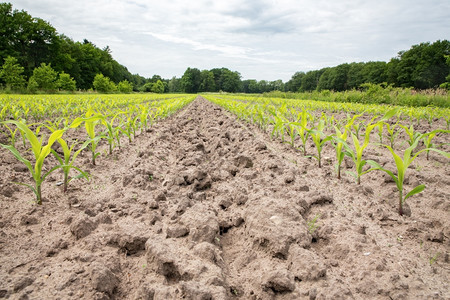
(205, 207)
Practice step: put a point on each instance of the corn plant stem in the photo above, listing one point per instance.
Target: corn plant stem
(38, 194)
(66, 181)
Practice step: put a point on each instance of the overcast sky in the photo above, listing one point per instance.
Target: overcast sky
(261, 39)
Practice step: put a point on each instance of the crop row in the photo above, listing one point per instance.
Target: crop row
(38, 108)
(300, 123)
(103, 118)
(406, 114)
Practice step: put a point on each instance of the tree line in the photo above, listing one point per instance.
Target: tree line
(33, 57)
(424, 66)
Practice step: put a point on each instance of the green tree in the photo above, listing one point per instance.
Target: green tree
(45, 77)
(277, 85)
(231, 81)
(174, 85)
(207, 83)
(147, 87)
(190, 81)
(354, 75)
(103, 84)
(125, 87)
(446, 84)
(374, 72)
(294, 84)
(158, 87)
(423, 66)
(227, 80)
(325, 80)
(334, 78)
(11, 74)
(32, 85)
(65, 82)
(311, 80)
(31, 40)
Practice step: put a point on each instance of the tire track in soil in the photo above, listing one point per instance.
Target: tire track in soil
(204, 207)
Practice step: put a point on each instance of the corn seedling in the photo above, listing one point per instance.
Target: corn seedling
(261, 118)
(67, 160)
(319, 138)
(292, 130)
(278, 126)
(380, 126)
(143, 117)
(434, 258)
(312, 224)
(402, 166)
(428, 137)
(356, 155)
(303, 132)
(40, 152)
(393, 133)
(12, 135)
(111, 131)
(357, 128)
(130, 126)
(338, 145)
(412, 134)
(90, 122)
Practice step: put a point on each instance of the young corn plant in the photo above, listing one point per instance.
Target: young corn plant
(402, 167)
(12, 135)
(143, 117)
(278, 126)
(260, 117)
(412, 134)
(130, 126)
(67, 160)
(380, 126)
(357, 154)
(319, 138)
(304, 132)
(111, 131)
(90, 122)
(339, 145)
(357, 128)
(428, 137)
(292, 129)
(40, 152)
(393, 133)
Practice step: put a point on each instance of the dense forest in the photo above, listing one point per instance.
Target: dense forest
(35, 57)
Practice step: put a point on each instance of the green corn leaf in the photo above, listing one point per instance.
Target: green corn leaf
(31, 137)
(81, 175)
(46, 150)
(389, 114)
(60, 160)
(27, 185)
(52, 170)
(416, 190)
(19, 157)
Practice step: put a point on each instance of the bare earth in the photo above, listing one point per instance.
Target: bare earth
(206, 207)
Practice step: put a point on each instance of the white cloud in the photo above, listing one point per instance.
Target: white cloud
(261, 39)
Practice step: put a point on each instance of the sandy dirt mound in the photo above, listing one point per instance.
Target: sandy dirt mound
(205, 207)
